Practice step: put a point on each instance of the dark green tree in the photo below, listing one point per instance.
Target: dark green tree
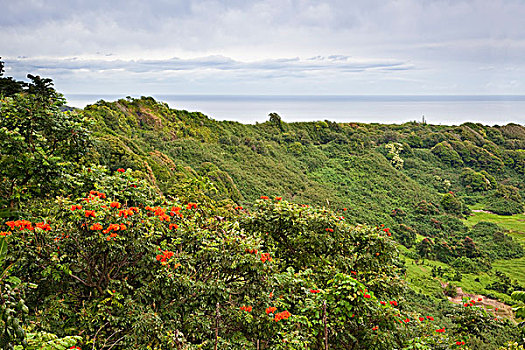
(8, 85)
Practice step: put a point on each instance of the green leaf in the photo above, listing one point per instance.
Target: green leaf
(3, 248)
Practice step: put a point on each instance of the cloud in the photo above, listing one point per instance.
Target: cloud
(356, 44)
(282, 66)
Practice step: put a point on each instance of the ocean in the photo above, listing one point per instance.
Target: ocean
(445, 110)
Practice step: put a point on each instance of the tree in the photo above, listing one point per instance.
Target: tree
(39, 144)
(276, 120)
(9, 86)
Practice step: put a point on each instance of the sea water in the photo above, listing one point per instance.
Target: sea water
(446, 110)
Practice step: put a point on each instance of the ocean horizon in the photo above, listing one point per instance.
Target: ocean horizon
(387, 109)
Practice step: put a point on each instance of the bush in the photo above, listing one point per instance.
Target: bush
(502, 206)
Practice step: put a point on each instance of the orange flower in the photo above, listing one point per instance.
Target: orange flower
(173, 226)
(282, 316)
(266, 257)
(114, 205)
(265, 197)
(89, 213)
(96, 227)
(278, 198)
(43, 226)
(271, 310)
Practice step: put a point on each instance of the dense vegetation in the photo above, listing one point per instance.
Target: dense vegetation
(130, 224)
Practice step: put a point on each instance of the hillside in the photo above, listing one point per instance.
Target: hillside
(174, 230)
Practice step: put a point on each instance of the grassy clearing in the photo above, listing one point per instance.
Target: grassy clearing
(514, 268)
(513, 223)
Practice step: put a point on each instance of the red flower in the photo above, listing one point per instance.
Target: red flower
(173, 226)
(120, 170)
(266, 257)
(89, 213)
(368, 296)
(375, 328)
(115, 205)
(407, 320)
(430, 318)
(480, 299)
(192, 205)
(282, 316)
(329, 230)
(382, 303)
(278, 198)
(441, 330)
(421, 319)
(393, 303)
(265, 197)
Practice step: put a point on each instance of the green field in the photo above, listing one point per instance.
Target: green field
(513, 223)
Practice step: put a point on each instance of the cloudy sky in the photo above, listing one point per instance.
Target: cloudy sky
(268, 47)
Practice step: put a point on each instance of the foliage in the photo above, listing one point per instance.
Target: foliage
(39, 144)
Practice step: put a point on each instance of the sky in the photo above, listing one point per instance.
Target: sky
(268, 47)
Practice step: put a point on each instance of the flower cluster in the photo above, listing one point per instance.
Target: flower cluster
(251, 251)
(165, 256)
(266, 257)
(265, 197)
(90, 213)
(270, 310)
(94, 195)
(76, 207)
(315, 291)
(159, 212)
(282, 316)
(191, 206)
(460, 343)
(128, 212)
(115, 205)
(329, 229)
(441, 330)
(20, 224)
(246, 308)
